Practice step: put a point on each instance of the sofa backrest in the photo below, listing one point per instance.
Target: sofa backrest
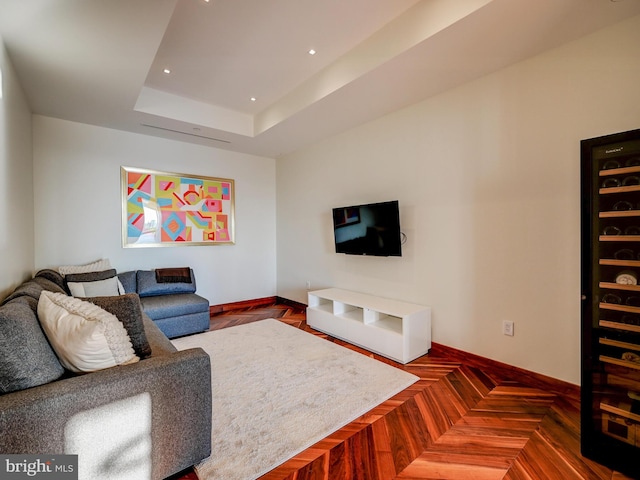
(129, 281)
(26, 357)
(148, 285)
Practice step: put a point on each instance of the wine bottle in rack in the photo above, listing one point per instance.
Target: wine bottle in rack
(610, 269)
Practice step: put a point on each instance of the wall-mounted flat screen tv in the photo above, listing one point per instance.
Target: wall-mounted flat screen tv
(371, 229)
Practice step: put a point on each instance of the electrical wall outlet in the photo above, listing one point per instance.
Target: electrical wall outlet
(507, 328)
(308, 284)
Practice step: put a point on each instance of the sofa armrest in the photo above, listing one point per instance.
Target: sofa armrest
(155, 414)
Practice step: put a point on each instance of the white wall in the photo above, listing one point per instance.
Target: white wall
(16, 172)
(78, 206)
(487, 176)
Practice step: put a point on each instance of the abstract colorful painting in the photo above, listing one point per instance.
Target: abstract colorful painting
(171, 209)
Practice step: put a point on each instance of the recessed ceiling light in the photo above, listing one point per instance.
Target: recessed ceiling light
(167, 71)
(312, 52)
(253, 99)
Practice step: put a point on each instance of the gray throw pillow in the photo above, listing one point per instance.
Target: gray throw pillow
(90, 276)
(26, 358)
(128, 310)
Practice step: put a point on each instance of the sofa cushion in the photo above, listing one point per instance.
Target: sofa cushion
(51, 280)
(50, 286)
(166, 306)
(184, 324)
(149, 286)
(91, 276)
(26, 358)
(85, 337)
(128, 310)
(97, 266)
(93, 284)
(42, 281)
(128, 281)
(27, 289)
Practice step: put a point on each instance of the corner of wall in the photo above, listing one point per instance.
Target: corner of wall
(16, 179)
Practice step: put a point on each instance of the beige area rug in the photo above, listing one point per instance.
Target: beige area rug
(278, 390)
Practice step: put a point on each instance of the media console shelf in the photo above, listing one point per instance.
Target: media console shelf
(397, 330)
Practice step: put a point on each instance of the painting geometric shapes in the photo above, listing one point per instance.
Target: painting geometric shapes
(222, 228)
(222, 235)
(221, 222)
(165, 203)
(165, 208)
(212, 205)
(226, 191)
(185, 236)
(174, 226)
(139, 181)
(135, 225)
(166, 186)
(213, 189)
(191, 197)
(199, 221)
(191, 181)
(135, 201)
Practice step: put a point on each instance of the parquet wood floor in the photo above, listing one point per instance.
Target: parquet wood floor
(457, 422)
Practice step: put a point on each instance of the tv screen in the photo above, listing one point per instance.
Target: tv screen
(372, 229)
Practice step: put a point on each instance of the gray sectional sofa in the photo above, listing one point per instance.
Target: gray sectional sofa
(173, 306)
(152, 416)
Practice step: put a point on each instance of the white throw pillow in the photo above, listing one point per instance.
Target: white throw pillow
(101, 288)
(85, 337)
(97, 266)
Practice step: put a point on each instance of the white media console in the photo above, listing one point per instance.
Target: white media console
(397, 330)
